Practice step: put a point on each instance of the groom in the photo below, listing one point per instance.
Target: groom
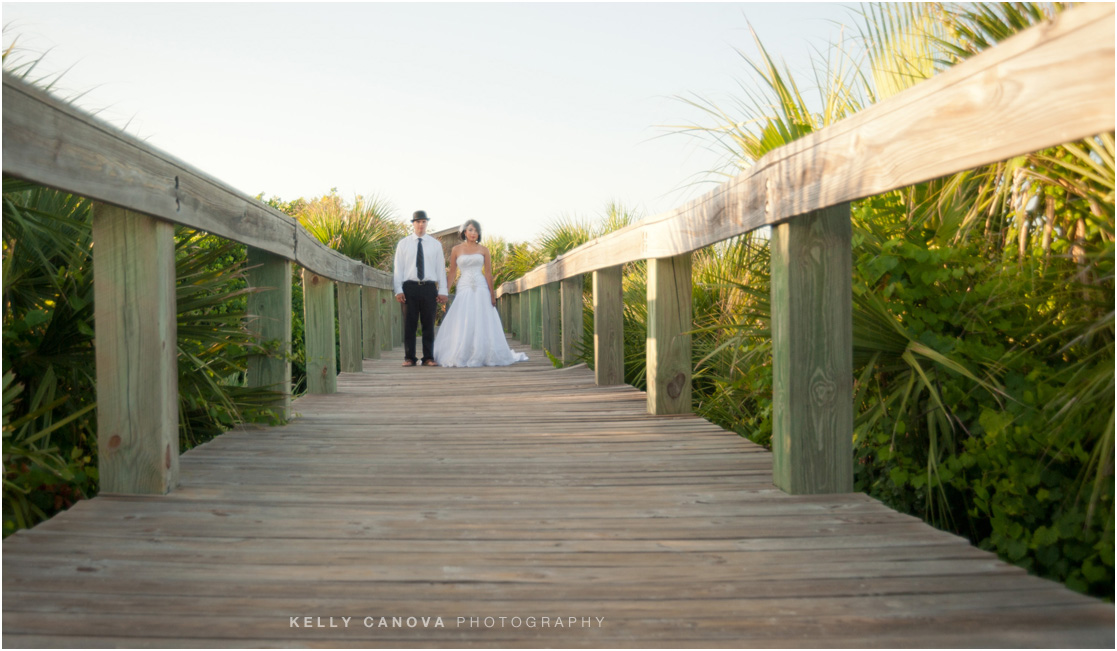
(420, 283)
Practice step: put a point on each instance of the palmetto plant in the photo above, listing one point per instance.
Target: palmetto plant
(983, 308)
(50, 378)
(366, 230)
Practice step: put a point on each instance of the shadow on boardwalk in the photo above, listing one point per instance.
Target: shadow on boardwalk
(517, 506)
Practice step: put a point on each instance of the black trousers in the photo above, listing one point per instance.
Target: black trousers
(422, 302)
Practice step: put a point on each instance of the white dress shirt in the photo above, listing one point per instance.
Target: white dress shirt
(434, 264)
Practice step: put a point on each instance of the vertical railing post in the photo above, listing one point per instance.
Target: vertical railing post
(387, 302)
(608, 326)
(572, 310)
(506, 312)
(670, 316)
(535, 308)
(270, 312)
(349, 326)
(550, 305)
(318, 324)
(370, 322)
(517, 317)
(136, 351)
(812, 353)
(397, 324)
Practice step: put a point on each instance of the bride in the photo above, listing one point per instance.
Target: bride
(471, 333)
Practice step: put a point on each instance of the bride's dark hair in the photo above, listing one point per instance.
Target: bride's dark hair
(466, 225)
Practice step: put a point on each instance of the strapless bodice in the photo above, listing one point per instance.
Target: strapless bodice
(472, 266)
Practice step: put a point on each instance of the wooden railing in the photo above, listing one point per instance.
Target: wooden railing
(140, 193)
(1052, 84)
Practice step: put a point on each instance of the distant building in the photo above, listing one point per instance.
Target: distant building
(449, 238)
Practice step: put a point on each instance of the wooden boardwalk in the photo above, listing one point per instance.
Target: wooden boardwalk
(524, 507)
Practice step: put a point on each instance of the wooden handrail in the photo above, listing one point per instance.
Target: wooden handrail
(1048, 85)
(57, 145)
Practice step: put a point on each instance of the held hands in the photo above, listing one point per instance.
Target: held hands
(443, 299)
(400, 298)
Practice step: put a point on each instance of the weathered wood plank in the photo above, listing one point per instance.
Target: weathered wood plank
(670, 319)
(318, 323)
(608, 326)
(550, 305)
(812, 353)
(535, 323)
(387, 308)
(573, 308)
(524, 334)
(53, 143)
(370, 322)
(136, 351)
(397, 322)
(270, 314)
(550, 493)
(349, 326)
(979, 112)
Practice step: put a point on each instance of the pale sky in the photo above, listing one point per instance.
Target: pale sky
(511, 114)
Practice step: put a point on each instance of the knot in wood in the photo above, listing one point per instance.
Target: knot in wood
(822, 389)
(675, 386)
(114, 442)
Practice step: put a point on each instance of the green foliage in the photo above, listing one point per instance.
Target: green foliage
(982, 308)
(50, 441)
(366, 230)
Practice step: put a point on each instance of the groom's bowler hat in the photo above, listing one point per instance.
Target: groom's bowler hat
(420, 215)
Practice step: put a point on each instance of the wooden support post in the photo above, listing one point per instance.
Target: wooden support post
(812, 353)
(136, 352)
(349, 326)
(506, 313)
(550, 305)
(270, 312)
(670, 318)
(608, 327)
(535, 308)
(370, 322)
(397, 322)
(387, 303)
(572, 309)
(318, 323)
(517, 317)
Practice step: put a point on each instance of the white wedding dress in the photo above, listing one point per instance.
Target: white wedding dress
(471, 333)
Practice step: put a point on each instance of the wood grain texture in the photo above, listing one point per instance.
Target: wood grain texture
(1048, 85)
(535, 322)
(397, 322)
(57, 145)
(573, 308)
(551, 316)
(608, 326)
(318, 325)
(524, 321)
(542, 495)
(324, 261)
(349, 327)
(136, 352)
(812, 353)
(670, 320)
(387, 307)
(370, 322)
(270, 322)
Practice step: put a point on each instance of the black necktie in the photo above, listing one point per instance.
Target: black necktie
(419, 261)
